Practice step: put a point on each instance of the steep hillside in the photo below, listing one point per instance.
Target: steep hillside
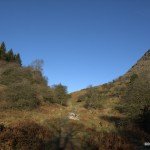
(142, 65)
(129, 94)
(116, 87)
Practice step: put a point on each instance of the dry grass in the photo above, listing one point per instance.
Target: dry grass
(96, 127)
(89, 118)
(39, 115)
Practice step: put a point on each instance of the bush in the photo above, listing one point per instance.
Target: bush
(21, 95)
(93, 98)
(11, 74)
(44, 94)
(24, 87)
(16, 74)
(60, 94)
(81, 98)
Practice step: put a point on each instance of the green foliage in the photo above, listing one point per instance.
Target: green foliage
(18, 59)
(44, 93)
(21, 95)
(9, 56)
(15, 74)
(26, 88)
(2, 50)
(93, 98)
(60, 94)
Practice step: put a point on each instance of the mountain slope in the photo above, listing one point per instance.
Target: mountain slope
(142, 65)
(117, 86)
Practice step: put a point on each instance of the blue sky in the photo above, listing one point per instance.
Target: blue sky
(82, 42)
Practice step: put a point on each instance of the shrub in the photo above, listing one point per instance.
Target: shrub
(60, 94)
(93, 98)
(21, 95)
(15, 74)
(81, 98)
(44, 93)
(25, 87)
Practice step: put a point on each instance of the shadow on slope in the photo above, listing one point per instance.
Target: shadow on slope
(59, 134)
(127, 129)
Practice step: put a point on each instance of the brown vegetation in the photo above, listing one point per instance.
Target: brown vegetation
(34, 116)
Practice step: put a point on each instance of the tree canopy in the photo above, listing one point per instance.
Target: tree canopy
(8, 55)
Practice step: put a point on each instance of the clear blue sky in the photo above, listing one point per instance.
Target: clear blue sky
(82, 42)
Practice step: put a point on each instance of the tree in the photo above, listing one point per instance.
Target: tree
(60, 94)
(2, 50)
(18, 59)
(10, 55)
(37, 65)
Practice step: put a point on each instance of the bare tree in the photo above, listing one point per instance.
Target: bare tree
(37, 65)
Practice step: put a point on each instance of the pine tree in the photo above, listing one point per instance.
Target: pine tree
(2, 50)
(9, 56)
(18, 59)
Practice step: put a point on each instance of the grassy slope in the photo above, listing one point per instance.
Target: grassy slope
(100, 119)
(103, 120)
(86, 116)
(89, 118)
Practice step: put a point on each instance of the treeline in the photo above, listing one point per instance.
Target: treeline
(8, 55)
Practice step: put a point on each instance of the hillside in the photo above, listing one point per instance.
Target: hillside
(25, 87)
(114, 87)
(34, 115)
(142, 64)
(127, 97)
